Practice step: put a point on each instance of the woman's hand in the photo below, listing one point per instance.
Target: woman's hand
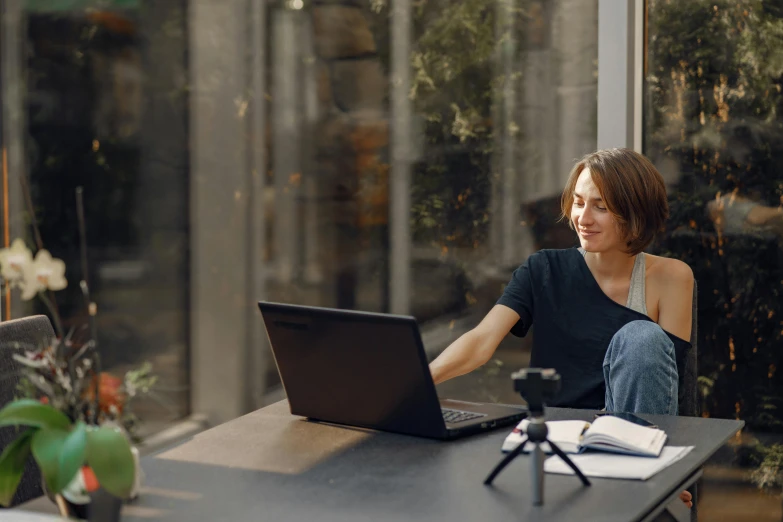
(687, 498)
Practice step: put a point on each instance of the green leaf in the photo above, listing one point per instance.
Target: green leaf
(72, 455)
(12, 463)
(47, 446)
(29, 412)
(109, 455)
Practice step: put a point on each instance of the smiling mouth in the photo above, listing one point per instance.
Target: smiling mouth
(585, 233)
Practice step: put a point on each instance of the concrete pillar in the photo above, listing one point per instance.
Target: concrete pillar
(313, 262)
(401, 158)
(513, 171)
(287, 143)
(220, 197)
(539, 104)
(509, 168)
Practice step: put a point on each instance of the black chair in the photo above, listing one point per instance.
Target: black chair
(33, 332)
(688, 400)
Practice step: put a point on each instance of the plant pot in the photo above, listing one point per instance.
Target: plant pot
(84, 499)
(104, 507)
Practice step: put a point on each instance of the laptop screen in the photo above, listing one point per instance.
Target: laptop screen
(356, 368)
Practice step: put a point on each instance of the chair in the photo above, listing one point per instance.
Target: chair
(689, 389)
(27, 331)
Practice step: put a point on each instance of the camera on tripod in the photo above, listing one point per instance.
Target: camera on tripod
(537, 386)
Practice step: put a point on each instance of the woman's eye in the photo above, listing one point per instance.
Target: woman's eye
(601, 208)
(578, 204)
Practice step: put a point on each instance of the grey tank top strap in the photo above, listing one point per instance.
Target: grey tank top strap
(637, 299)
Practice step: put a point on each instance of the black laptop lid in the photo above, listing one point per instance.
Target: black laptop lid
(356, 368)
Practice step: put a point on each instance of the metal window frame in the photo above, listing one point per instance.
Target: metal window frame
(620, 73)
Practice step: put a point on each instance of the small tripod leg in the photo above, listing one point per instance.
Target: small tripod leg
(568, 461)
(503, 463)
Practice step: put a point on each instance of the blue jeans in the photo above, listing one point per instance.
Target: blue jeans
(640, 370)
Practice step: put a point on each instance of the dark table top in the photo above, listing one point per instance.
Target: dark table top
(271, 465)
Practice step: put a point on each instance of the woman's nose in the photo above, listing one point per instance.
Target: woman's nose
(585, 217)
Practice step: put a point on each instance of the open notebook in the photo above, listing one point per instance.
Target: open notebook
(604, 434)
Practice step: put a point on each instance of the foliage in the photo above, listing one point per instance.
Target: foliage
(715, 72)
(63, 375)
(451, 89)
(769, 474)
(61, 447)
(455, 82)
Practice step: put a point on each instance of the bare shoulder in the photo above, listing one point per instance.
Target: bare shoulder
(668, 272)
(670, 282)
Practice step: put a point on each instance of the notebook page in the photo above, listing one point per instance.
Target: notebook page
(565, 434)
(624, 433)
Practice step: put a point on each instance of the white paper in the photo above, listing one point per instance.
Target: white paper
(612, 465)
(18, 515)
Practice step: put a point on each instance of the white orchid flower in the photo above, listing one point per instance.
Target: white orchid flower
(44, 273)
(14, 262)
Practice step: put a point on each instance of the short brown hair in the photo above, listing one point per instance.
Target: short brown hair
(631, 187)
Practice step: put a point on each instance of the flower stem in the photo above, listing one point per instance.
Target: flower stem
(58, 327)
(97, 369)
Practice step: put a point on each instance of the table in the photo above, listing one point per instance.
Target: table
(271, 465)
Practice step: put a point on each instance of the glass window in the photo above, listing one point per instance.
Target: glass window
(712, 97)
(102, 105)
(502, 99)
(266, 167)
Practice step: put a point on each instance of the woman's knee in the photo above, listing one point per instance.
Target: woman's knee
(642, 341)
(641, 332)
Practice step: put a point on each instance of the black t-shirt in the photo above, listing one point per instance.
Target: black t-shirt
(574, 323)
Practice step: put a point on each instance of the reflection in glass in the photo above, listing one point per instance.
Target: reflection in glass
(712, 126)
(105, 108)
(401, 160)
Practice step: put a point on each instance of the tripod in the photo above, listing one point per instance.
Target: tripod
(531, 382)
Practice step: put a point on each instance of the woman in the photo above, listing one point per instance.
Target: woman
(611, 319)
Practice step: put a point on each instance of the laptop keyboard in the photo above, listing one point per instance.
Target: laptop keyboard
(454, 416)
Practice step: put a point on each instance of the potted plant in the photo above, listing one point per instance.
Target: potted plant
(74, 419)
(62, 448)
(77, 424)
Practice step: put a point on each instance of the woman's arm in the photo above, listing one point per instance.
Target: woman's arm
(475, 347)
(675, 305)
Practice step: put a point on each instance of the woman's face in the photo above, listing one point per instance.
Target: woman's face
(594, 224)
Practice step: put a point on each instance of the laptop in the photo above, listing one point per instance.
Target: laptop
(367, 370)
